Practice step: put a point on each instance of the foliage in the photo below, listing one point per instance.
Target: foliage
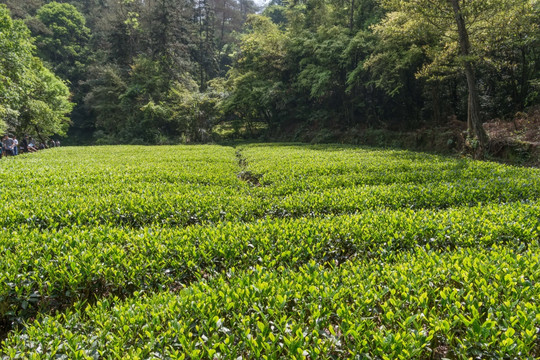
(17, 49)
(63, 41)
(104, 97)
(296, 182)
(126, 228)
(195, 112)
(47, 104)
(147, 107)
(391, 63)
(427, 30)
(207, 250)
(32, 98)
(366, 251)
(309, 65)
(261, 60)
(409, 309)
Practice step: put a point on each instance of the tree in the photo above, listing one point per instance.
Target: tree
(106, 89)
(474, 123)
(513, 59)
(450, 25)
(193, 112)
(16, 50)
(460, 36)
(206, 52)
(169, 32)
(46, 106)
(22, 9)
(32, 98)
(260, 69)
(62, 42)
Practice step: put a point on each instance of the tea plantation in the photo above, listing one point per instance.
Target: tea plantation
(267, 251)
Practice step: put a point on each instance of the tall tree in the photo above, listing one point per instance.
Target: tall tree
(451, 34)
(32, 98)
(169, 33)
(22, 9)
(451, 24)
(206, 52)
(258, 76)
(16, 50)
(46, 106)
(62, 42)
(474, 122)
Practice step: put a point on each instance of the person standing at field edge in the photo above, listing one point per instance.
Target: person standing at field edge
(24, 144)
(15, 146)
(8, 145)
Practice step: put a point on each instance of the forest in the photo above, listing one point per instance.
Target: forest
(189, 71)
(290, 211)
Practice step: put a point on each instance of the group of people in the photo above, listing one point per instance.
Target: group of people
(12, 147)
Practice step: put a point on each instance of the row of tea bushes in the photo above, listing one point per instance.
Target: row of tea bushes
(180, 186)
(267, 251)
(145, 204)
(288, 169)
(48, 270)
(460, 305)
(121, 166)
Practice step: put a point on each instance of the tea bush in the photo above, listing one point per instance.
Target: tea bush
(463, 304)
(333, 252)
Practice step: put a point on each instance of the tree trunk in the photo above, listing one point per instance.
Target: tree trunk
(222, 37)
(39, 134)
(474, 123)
(436, 100)
(524, 85)
(351, 17)
(200, 7)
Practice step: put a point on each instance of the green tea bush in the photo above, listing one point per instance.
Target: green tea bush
(333, 252)
(463, 304)
(56, 268)
(180, 186)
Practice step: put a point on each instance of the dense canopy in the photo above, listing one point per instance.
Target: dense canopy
(32, 98)
(165, 71)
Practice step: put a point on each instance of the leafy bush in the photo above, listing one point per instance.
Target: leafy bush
(468, 303)
(333, 252)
